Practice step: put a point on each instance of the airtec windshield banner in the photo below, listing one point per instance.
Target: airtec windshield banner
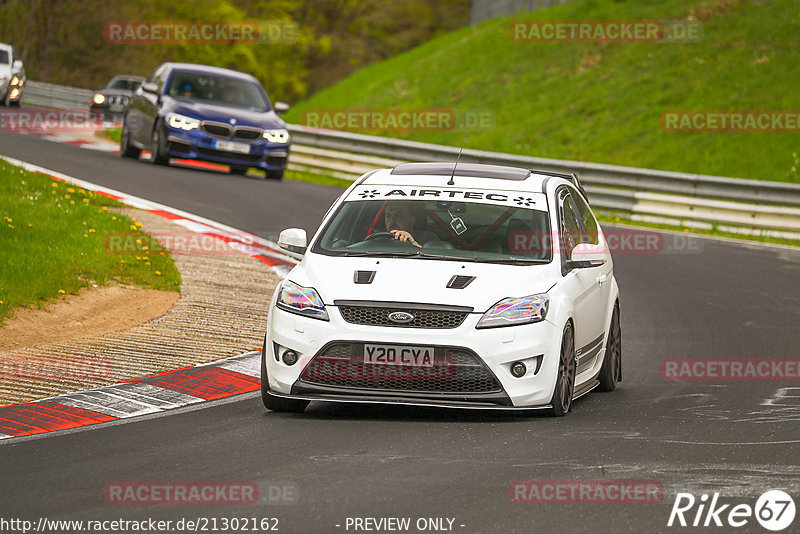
(520, 199)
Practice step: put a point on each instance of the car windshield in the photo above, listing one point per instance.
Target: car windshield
(219, 90)
(124, 83)
(3, 57)
(446, 230)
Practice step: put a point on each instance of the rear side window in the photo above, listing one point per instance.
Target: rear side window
(4, 57)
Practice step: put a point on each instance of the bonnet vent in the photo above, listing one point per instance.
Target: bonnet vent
(364, 277)
(460, 282)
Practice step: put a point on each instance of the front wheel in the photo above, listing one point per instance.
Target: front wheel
(126, 149)
(275, 175)
(611, 371)
(565, 378)
(271, 402)
(158, 147)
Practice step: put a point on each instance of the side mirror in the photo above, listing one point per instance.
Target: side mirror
(587, 255)
(293, 240)
(17, 65)
(149, 87)
(281, 107)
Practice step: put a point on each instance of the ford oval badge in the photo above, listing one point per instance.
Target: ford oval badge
(401, 317)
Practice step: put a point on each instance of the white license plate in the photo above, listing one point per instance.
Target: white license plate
(398, 355)
(232, 146)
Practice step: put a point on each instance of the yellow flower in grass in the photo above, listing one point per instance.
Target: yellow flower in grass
(105, 208)
(72, 202)
(70, 190)
(113, 218)
(9, 219)
(138, 223)
(11, 226)
(133, 227)
(91, 230)
(61, 291)
(85, 235)
(66, 196)
(147, 263)
(158, 273)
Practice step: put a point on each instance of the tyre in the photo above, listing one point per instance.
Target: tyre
(565, 378)
(239, 169)
(271, 402)
(611, 371)
(158, 146)
(275, 175)
(126, 150)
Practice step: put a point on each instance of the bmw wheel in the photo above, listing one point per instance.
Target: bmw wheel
(126, 150)
(565, 379)
(158, 147)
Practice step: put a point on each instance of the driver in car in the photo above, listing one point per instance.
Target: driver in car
(400, 222)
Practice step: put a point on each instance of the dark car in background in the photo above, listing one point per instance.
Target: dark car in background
(111, 101)
(206, 113)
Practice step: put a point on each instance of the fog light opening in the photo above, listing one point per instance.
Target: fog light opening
(290, 357)
(518, 369)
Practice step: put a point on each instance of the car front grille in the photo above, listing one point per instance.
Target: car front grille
(216, 129)
(424, 317)
(455, 371)
(247, 134)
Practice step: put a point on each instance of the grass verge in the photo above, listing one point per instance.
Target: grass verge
(53, 238)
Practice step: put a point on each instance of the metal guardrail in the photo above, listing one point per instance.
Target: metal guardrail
(56, 96)
(696, 185)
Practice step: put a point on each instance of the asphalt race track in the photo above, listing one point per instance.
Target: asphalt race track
(713, 300)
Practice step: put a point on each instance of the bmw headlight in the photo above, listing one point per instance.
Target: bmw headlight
(515, 311)
(277, 136)
(99, 98)
(302, 301)
(182, 122)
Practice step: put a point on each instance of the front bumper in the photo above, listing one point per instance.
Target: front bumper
(493, 350)
(196, 144)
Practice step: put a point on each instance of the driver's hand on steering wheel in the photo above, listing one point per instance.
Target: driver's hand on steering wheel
(405, 237)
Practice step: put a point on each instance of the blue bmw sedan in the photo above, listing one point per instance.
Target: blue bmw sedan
(206, 113)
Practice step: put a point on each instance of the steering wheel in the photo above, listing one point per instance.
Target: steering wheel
(387, 235)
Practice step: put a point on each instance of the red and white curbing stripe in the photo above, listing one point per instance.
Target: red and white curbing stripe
(152, 394)
(83, 142)
(140, 396)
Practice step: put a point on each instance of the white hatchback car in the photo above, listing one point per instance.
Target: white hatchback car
(487, 287)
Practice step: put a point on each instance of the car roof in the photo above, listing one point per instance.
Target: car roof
(127, 77)
(207, 69)
(471, 175)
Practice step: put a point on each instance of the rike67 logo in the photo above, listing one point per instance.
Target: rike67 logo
(774, 510)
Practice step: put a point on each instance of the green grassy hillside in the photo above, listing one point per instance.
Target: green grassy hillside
(602, 102)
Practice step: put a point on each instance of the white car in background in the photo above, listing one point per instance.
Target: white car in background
(503, 297)
(12, 77)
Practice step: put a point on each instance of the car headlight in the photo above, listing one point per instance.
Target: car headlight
(277, 136)
(302, 301)
(182, 122)
(515, 311)
(99, 98)
(15, 80)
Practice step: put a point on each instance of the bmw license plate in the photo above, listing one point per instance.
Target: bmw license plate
(398, 355)
(232, 146)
